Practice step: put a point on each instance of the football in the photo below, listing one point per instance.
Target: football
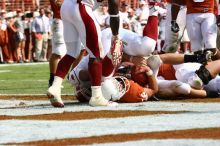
(140, 78)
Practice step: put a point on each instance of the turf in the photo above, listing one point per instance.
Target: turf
(29, 78)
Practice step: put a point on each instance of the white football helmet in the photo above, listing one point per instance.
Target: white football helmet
(115, 87)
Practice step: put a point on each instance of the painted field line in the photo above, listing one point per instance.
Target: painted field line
(23, 64)
(11, 107)
(33, 130)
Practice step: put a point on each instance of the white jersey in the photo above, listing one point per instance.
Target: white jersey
(134, 44)
(74, 74)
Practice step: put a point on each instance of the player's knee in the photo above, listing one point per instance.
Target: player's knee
(181, 88)
(148, 45)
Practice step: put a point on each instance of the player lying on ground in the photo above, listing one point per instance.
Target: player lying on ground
(180, 81)
(121, 87)
(155, 62)
(106, 66)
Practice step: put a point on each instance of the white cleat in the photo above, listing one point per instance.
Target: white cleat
(154, 62)
(54, 95)
(101, 101)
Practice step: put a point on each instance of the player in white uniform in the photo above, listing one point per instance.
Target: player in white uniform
(80, 26)
(173, 39)
(145, 44)
(200, 24)
(134, 44)
(58, 44)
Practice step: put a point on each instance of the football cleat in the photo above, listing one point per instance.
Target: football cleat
(116, 50)
(54, 95)
(154, 62)
(101, 101)
(173, 43)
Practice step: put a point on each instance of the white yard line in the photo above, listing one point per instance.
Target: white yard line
(3, 71)
(11, 107)
(32, 130)
(23, 64)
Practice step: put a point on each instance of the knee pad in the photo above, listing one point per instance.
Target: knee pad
(181, 88)
(204, 74)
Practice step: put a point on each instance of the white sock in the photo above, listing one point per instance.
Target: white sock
(57, 81)
(96, 91)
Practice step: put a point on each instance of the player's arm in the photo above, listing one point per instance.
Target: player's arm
(136, 60)
(173, 58)
(176, 4)
(175, 9)
(217, 2)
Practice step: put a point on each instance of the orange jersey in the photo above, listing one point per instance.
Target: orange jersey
(167, 72)
(55, 6)
(207, 6)
(136, 93)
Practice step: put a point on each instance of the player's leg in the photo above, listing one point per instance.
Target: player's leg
(58, 48)
(91, 38)
(207, 72)
(209, 33)
(73, 46)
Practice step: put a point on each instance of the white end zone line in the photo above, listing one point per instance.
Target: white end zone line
(25, 107)
(19, 95)
(23, 64)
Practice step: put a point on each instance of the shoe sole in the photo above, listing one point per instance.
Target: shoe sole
(55, 104)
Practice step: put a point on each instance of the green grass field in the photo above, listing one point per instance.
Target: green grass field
(29, 78)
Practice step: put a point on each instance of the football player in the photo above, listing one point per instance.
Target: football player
(121, 87)
(200, 24)
(180, 81)
(173, 39)
(80, 26)
(58, 45)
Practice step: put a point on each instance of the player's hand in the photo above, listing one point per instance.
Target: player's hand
(116, 50)
(142, 68)
(174, 26)
(137, 60)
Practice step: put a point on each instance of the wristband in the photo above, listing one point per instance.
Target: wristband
(149, 73)
(117, 15)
